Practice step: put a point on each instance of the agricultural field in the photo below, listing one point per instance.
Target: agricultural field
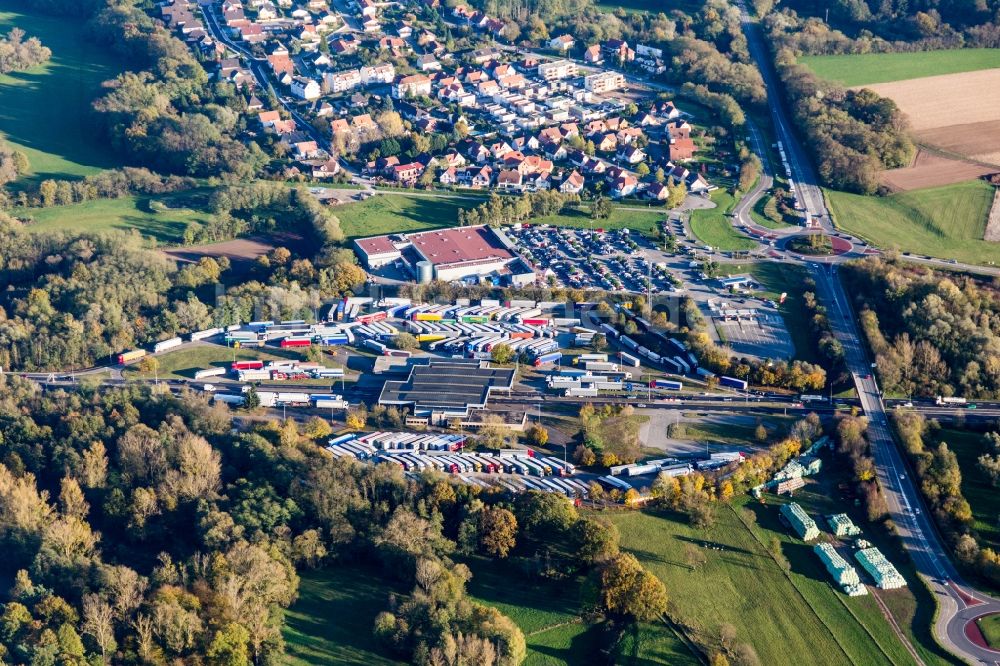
(976, 487)
(930, 169)
(946, 222)
(161, 219)
(779, 613)
(331, 621)
(869, 68)
(46, 110)
(713, 227)
(956, 113)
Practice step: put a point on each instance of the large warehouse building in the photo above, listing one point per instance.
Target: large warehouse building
(459, 253)
(443, 389)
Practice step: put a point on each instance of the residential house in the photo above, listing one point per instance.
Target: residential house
(510, 180)
(562, 43)
(606, 143)
(414, 85)
(428, 63)
(304, 88)
(657, 192)
(338, 82)
(679, 129)
(593, 55)
(681, 149)
(407, 173)
(327, 169)
(630, 155)
(449, 176)
(306, 150)
(340, 126)
(573, 184)
(625, 185)
(254, 104)
(268, 118)
(618, 49)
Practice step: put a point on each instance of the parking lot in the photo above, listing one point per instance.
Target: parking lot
(764, 337)
(613, 260)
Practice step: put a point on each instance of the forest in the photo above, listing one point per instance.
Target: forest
(852, 135)
(932, 333)
(140, 528)
(876, 26)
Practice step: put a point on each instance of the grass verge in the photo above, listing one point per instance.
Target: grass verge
(713, 227)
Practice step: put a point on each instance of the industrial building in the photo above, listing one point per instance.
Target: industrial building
(845, 575)
(885, 574)
(842, 526)
(444, 389)
(459, 253)
(800, 521)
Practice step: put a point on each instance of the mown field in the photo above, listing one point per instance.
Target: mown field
(45, 111)
(331, 622)
(780, 614)
(160, 218)
(713, 227)
(183, 363)
(654, 6)
(946, 222)
(406, 212)
(867, 68)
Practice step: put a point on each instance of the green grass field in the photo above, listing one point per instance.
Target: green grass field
(165, 226)
(946, 222)
(401, 212)
(183, 363)
(740, 584)
(868, 68)
(976, 487)
(760, 211)
(46, 110)
(331, 622)
(990, 626)
(713, 227)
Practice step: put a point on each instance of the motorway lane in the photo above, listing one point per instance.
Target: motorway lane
(919, 536)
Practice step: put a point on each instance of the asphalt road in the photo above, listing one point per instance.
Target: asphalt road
(957, 601)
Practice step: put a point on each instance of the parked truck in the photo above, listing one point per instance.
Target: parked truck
(164, 345)
(209, 372)
(732, 382)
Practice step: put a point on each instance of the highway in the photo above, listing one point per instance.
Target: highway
(958, 602)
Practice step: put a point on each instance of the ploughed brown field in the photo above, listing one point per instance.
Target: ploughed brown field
(956, 113)
(931, 170)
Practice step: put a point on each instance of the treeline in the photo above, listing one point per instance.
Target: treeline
(13, 163)
(498, 210)
(265, 207)
(853, 446)
(829, 347)
(73, 300)
(165, 113)
(941, 484)
(143, 530)
(70, 300)
(109, 184)
(880, 27)
(932, 333)
(851, 134)
(18, 53)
